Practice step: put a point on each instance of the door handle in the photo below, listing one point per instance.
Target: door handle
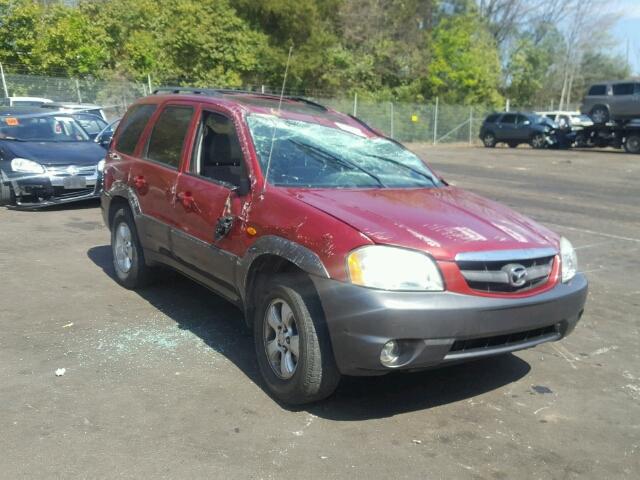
(139, 182)
(187, 200)
(114, 156)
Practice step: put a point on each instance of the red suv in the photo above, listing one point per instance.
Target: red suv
(345, 251)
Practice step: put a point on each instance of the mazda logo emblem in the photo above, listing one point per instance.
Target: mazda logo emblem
(516, 274)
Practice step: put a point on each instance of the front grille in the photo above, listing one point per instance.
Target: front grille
(511, 339)
(499, 272)
(63, 170)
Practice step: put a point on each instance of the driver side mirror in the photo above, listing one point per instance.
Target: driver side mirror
(104, 140)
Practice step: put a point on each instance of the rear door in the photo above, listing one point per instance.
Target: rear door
(506, 127)
(209, 236)
(154, 175)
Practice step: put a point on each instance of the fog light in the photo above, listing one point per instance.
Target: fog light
(390, 353)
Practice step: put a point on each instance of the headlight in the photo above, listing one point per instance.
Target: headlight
(569, 260)
(391, 268)
(100, 166)
(26, 166)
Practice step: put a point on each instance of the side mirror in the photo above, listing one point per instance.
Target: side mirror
(244, 187)
(105, 139)
(526, 122)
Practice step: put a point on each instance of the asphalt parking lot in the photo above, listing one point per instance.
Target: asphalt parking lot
(162, 383)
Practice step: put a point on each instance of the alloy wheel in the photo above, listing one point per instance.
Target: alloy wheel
(123, 248)
(281, 339)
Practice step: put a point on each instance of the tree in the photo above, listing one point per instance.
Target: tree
(465, 67)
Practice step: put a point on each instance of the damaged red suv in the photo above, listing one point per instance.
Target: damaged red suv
(347, 254)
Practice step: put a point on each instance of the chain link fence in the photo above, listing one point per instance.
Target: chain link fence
(429, 122)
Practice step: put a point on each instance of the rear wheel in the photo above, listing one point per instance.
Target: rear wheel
(292, 342)
(599, 114)
(489, 140)
(632, 143)
(128, 256)
(538, 141)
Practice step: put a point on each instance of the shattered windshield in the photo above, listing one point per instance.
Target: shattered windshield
(314, 156)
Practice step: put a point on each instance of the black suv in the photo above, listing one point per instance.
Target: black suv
(514, 128)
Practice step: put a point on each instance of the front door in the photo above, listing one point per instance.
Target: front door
(209, 237)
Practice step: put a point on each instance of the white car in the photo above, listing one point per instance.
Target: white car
(25, 101)
(568, 120)
(68, 107)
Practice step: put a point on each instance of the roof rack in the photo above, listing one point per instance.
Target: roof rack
(218, 92)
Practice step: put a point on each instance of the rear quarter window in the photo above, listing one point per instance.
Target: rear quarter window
(492, 118)
(623, 89)
(132, 126)
(598, 90)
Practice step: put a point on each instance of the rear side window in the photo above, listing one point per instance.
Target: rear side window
(132, 127)
(623, 89)
(509, 118)
(492, 118)
(598, 90)
(168, 136)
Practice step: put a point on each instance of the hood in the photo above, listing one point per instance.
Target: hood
(441, 221)
(52, 153)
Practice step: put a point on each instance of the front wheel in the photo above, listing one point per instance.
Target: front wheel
(632, 143)
(538, 141)
(292, 343)
(7, 196)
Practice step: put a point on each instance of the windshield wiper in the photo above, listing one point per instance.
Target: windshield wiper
(400, 164)
(12, 138)
(336, 159)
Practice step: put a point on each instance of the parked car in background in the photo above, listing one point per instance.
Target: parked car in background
(515, 128)
(346, 252)
(92, 124)
(68, 107)
(566, 120)
(619, 100)
(24, 101)
(46, 159)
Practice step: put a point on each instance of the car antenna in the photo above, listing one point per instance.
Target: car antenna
(273, 136)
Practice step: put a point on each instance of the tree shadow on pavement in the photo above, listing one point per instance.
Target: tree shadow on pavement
(220, 325)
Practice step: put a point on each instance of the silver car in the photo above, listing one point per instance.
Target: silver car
(619, 100)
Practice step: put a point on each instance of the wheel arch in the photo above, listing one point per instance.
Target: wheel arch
(274, 255)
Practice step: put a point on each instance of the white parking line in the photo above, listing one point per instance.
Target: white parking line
(592, 232)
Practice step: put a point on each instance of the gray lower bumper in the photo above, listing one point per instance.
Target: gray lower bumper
(38, 191)
(433, 326)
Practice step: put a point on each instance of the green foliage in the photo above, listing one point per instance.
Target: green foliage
(465, 67)
(407, 50)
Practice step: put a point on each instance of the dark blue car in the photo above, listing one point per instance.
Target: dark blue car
(46, 159)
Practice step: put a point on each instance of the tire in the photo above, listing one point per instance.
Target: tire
(599, 114)
(288, 307)
(538, 141)
(489, 140)
(7, 196)
(632, 143)
(512, 145)
(128, 255)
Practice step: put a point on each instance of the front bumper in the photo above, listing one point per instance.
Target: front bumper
(437, 328)
(38, 191)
